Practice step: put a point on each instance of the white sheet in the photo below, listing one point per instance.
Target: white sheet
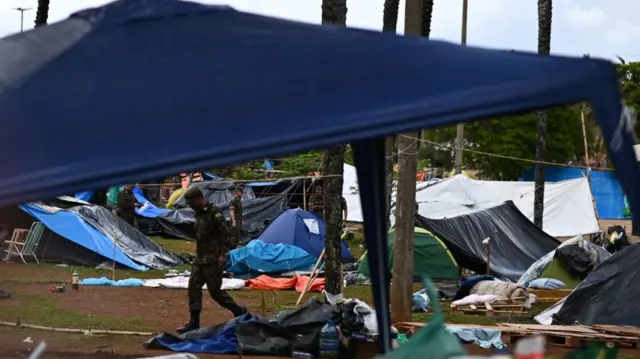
(181, 282)
(568, 204)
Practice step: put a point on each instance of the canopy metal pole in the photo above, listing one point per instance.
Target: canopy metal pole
(460, 126)
(304, 194)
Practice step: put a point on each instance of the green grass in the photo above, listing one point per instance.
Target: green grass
(37, 309)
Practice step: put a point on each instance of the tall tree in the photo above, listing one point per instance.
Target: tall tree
(389, 24)
(544, 48)
(42, 13)
(417, 23)
(334, 12)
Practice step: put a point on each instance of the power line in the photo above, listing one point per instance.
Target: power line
(511, 157)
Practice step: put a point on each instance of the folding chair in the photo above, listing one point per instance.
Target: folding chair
(24, 242)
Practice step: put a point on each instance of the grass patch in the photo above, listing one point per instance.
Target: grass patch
(175, 245)
(37, 309)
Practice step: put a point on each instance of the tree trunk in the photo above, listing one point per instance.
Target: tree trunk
(402, 281)
(334, 12)
(389, 24)
(544, 47)
(42, 13)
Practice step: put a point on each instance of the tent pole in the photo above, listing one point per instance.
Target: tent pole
(304, 194)
(113, 265)
(586, 159)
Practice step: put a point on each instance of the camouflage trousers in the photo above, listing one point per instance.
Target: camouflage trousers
(211, 275)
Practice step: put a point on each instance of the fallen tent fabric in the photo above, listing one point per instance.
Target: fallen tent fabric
(516, 243)
(302, 229)
(297, 282)
(558, 263)
(394, 99)
(100, 231)
(431, 257)
(289, 331)
(568, 209)
(257, 213)
(608, 295)
(182, 282)
(261, 257)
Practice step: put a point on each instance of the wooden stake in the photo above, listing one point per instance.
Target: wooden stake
(488, 245)
(113, 267)
(586, 157)
(262, 304)
(311, 277)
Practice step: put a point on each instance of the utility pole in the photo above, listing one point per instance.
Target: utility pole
(22, 10)
(402, 281)
(460, 127)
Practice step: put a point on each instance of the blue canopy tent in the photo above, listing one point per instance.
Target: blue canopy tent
(151, 64)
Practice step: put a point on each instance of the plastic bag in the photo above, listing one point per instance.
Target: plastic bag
(433, 338)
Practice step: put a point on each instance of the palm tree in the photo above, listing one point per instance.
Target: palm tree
(334, 12)
(544, 47)
(42, 13)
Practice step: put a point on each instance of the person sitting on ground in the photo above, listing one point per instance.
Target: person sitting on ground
(213, 242)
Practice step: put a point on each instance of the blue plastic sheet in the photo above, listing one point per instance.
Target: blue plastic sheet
(71, 226)
(103, 281)
(261, 257)
(148, 210)
(84, 196)
(605, 188)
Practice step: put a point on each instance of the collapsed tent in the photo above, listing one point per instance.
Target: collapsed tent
(302, 229)
(257, 212)
(570, 263)
(431, 257)
(260, 257)
(411, 84)
(88, 235)
(568, 208)
(609, 295)
(516, 243)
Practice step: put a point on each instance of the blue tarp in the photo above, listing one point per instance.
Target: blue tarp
(261, 257)
(605, 188)
(408, 83)
(148, 210)
(84, 196)
(300, 228)
(72, 227)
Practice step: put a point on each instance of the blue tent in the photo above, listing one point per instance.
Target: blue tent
(297, 227)
(149, 64)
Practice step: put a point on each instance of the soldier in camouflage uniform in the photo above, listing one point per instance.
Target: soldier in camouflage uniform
(235, 209)
(317, 201)
(213, 241)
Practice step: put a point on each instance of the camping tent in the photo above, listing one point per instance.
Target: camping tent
(609, 295)
(300, 228)
(569, 263)
(411, 84)
(430, 256)
(516, 243)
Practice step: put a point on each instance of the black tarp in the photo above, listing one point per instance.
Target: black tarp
(132, 242)
(216, 192)
(516, 242)
(257, 214)
(576, 260)
(609, 295)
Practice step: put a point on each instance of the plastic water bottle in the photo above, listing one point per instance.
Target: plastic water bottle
(329, 340)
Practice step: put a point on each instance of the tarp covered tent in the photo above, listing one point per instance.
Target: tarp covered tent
(568, 209)
(259, 257)
(257, 213)
(96, 236)
(412, 83)
(569, 263)
(430, 256)
(302, 229)
(609, 295)
(516, 243)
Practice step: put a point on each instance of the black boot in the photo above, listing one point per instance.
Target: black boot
(194, 323)
(240, 311)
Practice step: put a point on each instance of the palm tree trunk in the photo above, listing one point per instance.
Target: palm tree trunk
(334, 12)
(42, 13)
(544, 48)
(389, 24)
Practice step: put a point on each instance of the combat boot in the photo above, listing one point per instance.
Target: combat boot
(194, 322)
(240, 311)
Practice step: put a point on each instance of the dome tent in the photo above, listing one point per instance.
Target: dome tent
(430, 256)
(302, 229)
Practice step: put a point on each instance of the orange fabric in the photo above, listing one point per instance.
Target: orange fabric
(264, 282)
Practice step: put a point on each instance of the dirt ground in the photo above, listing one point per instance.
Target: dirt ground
(135, 309)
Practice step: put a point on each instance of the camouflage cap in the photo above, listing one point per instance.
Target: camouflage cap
(193, 193)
